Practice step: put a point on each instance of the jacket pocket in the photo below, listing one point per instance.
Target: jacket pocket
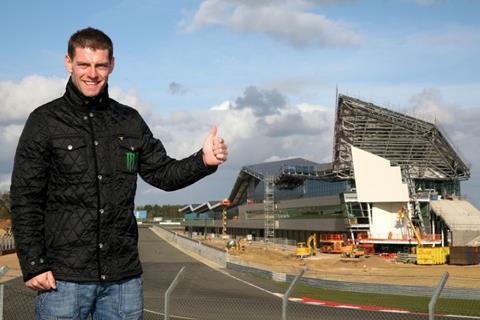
(128, 154)
(70, 154)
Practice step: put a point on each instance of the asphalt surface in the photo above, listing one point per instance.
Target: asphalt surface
(203, 292)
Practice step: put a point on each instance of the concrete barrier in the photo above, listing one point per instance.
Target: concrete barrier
(213, 254)
(220, 257)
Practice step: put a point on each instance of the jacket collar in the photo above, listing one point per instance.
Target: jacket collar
(83, 103)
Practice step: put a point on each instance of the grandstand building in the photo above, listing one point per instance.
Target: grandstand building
(394, 182)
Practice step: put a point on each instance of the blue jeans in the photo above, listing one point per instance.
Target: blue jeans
(103, 300)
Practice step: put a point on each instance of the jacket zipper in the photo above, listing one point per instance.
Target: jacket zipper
(97, 184)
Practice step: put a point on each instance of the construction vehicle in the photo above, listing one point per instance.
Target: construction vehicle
(352, 251)
(238, 244)
(331, 243)
(307, 249)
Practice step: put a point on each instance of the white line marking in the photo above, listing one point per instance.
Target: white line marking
(315, 303)
(196, 257)
(162, 314)
(295, 299)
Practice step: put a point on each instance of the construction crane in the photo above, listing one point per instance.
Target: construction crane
(402, 214)
(307, 249)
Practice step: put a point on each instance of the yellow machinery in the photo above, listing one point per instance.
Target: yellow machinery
(425, 255)
(352, 251)
(238, 245)
(307, 249)
(402, 215)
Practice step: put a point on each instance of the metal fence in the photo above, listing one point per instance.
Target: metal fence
(178, 302)
(193, 295)
(7, 242)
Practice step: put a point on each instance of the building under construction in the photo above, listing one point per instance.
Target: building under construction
(394, 182)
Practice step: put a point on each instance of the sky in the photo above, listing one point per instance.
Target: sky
(266, 72)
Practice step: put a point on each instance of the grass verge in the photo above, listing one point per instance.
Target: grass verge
(444, 306)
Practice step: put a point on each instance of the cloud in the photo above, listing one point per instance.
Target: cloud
(303, 120)
(176, 88)
(19, 98)
(262, 102)
(305, 28)
(258, 125)
(429, 106)
(460, 125)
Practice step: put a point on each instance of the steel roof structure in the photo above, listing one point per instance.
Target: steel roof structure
(285, 173)
(419, 147)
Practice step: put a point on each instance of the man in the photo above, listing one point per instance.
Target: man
(73, 188)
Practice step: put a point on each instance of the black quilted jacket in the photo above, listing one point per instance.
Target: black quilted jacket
(74, 182)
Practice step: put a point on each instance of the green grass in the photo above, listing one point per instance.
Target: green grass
(413, 304)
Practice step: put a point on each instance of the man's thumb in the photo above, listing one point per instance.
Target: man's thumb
(51, 280)
(213, 131)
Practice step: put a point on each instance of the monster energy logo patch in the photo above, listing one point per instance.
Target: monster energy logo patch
(130, 161)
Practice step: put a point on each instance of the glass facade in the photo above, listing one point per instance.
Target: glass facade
(312, 212)
(450, 187)
(310, 188)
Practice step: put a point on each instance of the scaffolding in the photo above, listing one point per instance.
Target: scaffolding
(419, 146)
(269, 209)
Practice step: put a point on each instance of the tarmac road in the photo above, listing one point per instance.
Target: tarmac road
(202, 292)
(206, 293)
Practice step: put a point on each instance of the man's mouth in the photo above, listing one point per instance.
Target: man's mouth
(91, 83)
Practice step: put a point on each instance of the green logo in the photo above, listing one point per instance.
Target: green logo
(130, 161)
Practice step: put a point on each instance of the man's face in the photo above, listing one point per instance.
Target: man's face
(90, 70)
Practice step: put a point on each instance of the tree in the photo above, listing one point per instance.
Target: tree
(164, 211)
(5, 205)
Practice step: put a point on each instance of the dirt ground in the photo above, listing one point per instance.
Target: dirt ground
(11, 261)
(365, 269)
(329, 266)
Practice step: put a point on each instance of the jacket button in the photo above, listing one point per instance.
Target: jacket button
(32, 263)
(99, 177)
(100, 245)
(103, 277)
(101, 211)
(85, 117)
(90, 114)
(95, 142)
(69, 147)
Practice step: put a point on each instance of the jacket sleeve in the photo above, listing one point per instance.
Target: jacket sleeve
(28, 196)
(161, 171)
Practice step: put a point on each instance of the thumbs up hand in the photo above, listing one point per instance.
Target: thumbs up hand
(215, 151)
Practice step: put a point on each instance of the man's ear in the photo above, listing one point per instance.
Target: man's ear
(112, 65)
(68, 63)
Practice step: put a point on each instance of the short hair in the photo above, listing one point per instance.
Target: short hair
(90, 38)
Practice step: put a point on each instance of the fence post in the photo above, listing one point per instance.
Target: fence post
(3, 271)
(169, 291)
(288, 292)
(436, 294)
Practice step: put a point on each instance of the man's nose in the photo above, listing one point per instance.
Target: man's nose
(92, 72)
